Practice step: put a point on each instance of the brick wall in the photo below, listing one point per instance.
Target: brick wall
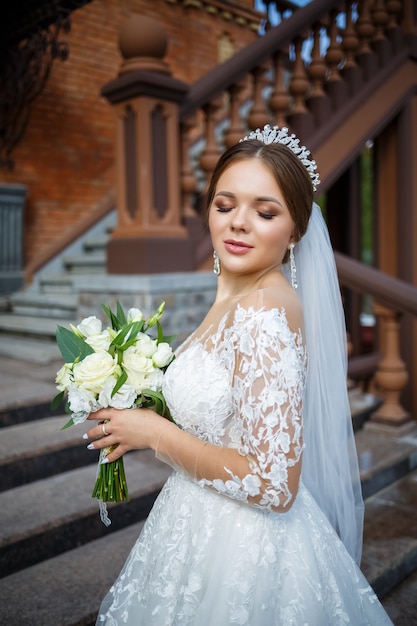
(67, 153)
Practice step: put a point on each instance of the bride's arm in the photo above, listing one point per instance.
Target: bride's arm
(267, 393)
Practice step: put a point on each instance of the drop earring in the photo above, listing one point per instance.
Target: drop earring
(216, 266)
(292, 267)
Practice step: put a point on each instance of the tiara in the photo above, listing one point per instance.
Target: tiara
(280, 135)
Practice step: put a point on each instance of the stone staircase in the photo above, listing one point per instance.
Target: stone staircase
(28, 318)
(57, 559)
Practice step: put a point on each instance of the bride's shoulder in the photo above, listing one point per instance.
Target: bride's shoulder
(271, 301)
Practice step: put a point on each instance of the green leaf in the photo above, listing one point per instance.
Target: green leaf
(68, 424)
(157, 399)
(72, 348)
(121, 314)
(57, 400)
(131, 330)
(167, 339)
(115, 324)
(120, 381)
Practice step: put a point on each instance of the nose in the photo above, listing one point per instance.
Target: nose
(239, 219)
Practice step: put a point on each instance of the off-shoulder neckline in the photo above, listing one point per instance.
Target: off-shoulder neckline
(212, 334)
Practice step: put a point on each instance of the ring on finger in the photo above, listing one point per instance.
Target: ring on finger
(103, 428)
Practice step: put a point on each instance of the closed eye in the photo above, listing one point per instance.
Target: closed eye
(266, 216)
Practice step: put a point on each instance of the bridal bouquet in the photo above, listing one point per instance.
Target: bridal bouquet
(120, 366)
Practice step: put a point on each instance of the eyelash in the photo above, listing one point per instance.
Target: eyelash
(265, 216)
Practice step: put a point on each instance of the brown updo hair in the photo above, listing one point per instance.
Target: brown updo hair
(290, 175)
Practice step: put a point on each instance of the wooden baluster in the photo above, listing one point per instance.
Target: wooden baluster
(235, 131)
(318, 102)
(391, 375)
(334, 52)
(394, 10)
(380, 43)
(279, 101)
(365, 30)
(394, 31)
(350, 44)
(300, 119)
(211, 152)
(380, 19)
(335, 87)
(258, 115)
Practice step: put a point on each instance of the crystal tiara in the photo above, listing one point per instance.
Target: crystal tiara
(280, 135)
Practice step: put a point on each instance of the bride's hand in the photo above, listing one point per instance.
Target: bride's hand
(129, 429)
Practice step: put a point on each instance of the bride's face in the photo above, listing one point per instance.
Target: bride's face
(250, 224)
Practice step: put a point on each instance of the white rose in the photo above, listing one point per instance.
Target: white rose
(137, 367)
(93, 371)
(63, 377)
(82, 400)
(134, 315)
(122, 399)
(153, 381)
(99, 342)
(90, 326)
(163, 355)
(145, 345)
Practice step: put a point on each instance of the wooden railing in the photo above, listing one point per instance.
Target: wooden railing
(393, 298)
(285, 78)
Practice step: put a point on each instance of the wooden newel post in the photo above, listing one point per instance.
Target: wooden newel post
(391, 375)
(150, 236)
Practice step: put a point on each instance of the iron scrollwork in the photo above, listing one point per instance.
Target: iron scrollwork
(26, 61)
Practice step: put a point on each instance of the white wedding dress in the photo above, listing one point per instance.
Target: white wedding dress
(217, 553)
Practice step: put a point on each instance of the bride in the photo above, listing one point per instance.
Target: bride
(260, 524)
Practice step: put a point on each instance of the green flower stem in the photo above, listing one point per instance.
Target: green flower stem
(111, 485)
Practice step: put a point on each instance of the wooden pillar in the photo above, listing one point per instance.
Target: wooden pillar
(386, 185)
(150, 236)
(407, 238)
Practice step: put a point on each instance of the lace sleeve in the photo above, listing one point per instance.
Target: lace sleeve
(269, 376)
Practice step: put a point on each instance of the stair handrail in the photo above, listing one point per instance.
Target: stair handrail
(394, 293)
(234, 69)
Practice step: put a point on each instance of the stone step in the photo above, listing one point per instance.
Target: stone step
(39, 449)
(90, 263)
(385, 457)
(47, 517)
(42, 349)
(31, 326)
(390, 535)
(56, 284)
(401, 603)
(44, 305)
(97, 243)
(66, 590)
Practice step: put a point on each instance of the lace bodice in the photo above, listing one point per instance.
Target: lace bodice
(241, 387)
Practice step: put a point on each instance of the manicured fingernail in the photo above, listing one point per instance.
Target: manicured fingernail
(105, 460)
(85, 436)
(90, 446)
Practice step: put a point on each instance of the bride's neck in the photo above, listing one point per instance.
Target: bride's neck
(231, 289)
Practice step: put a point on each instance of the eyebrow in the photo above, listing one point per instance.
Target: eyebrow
(259, 199)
